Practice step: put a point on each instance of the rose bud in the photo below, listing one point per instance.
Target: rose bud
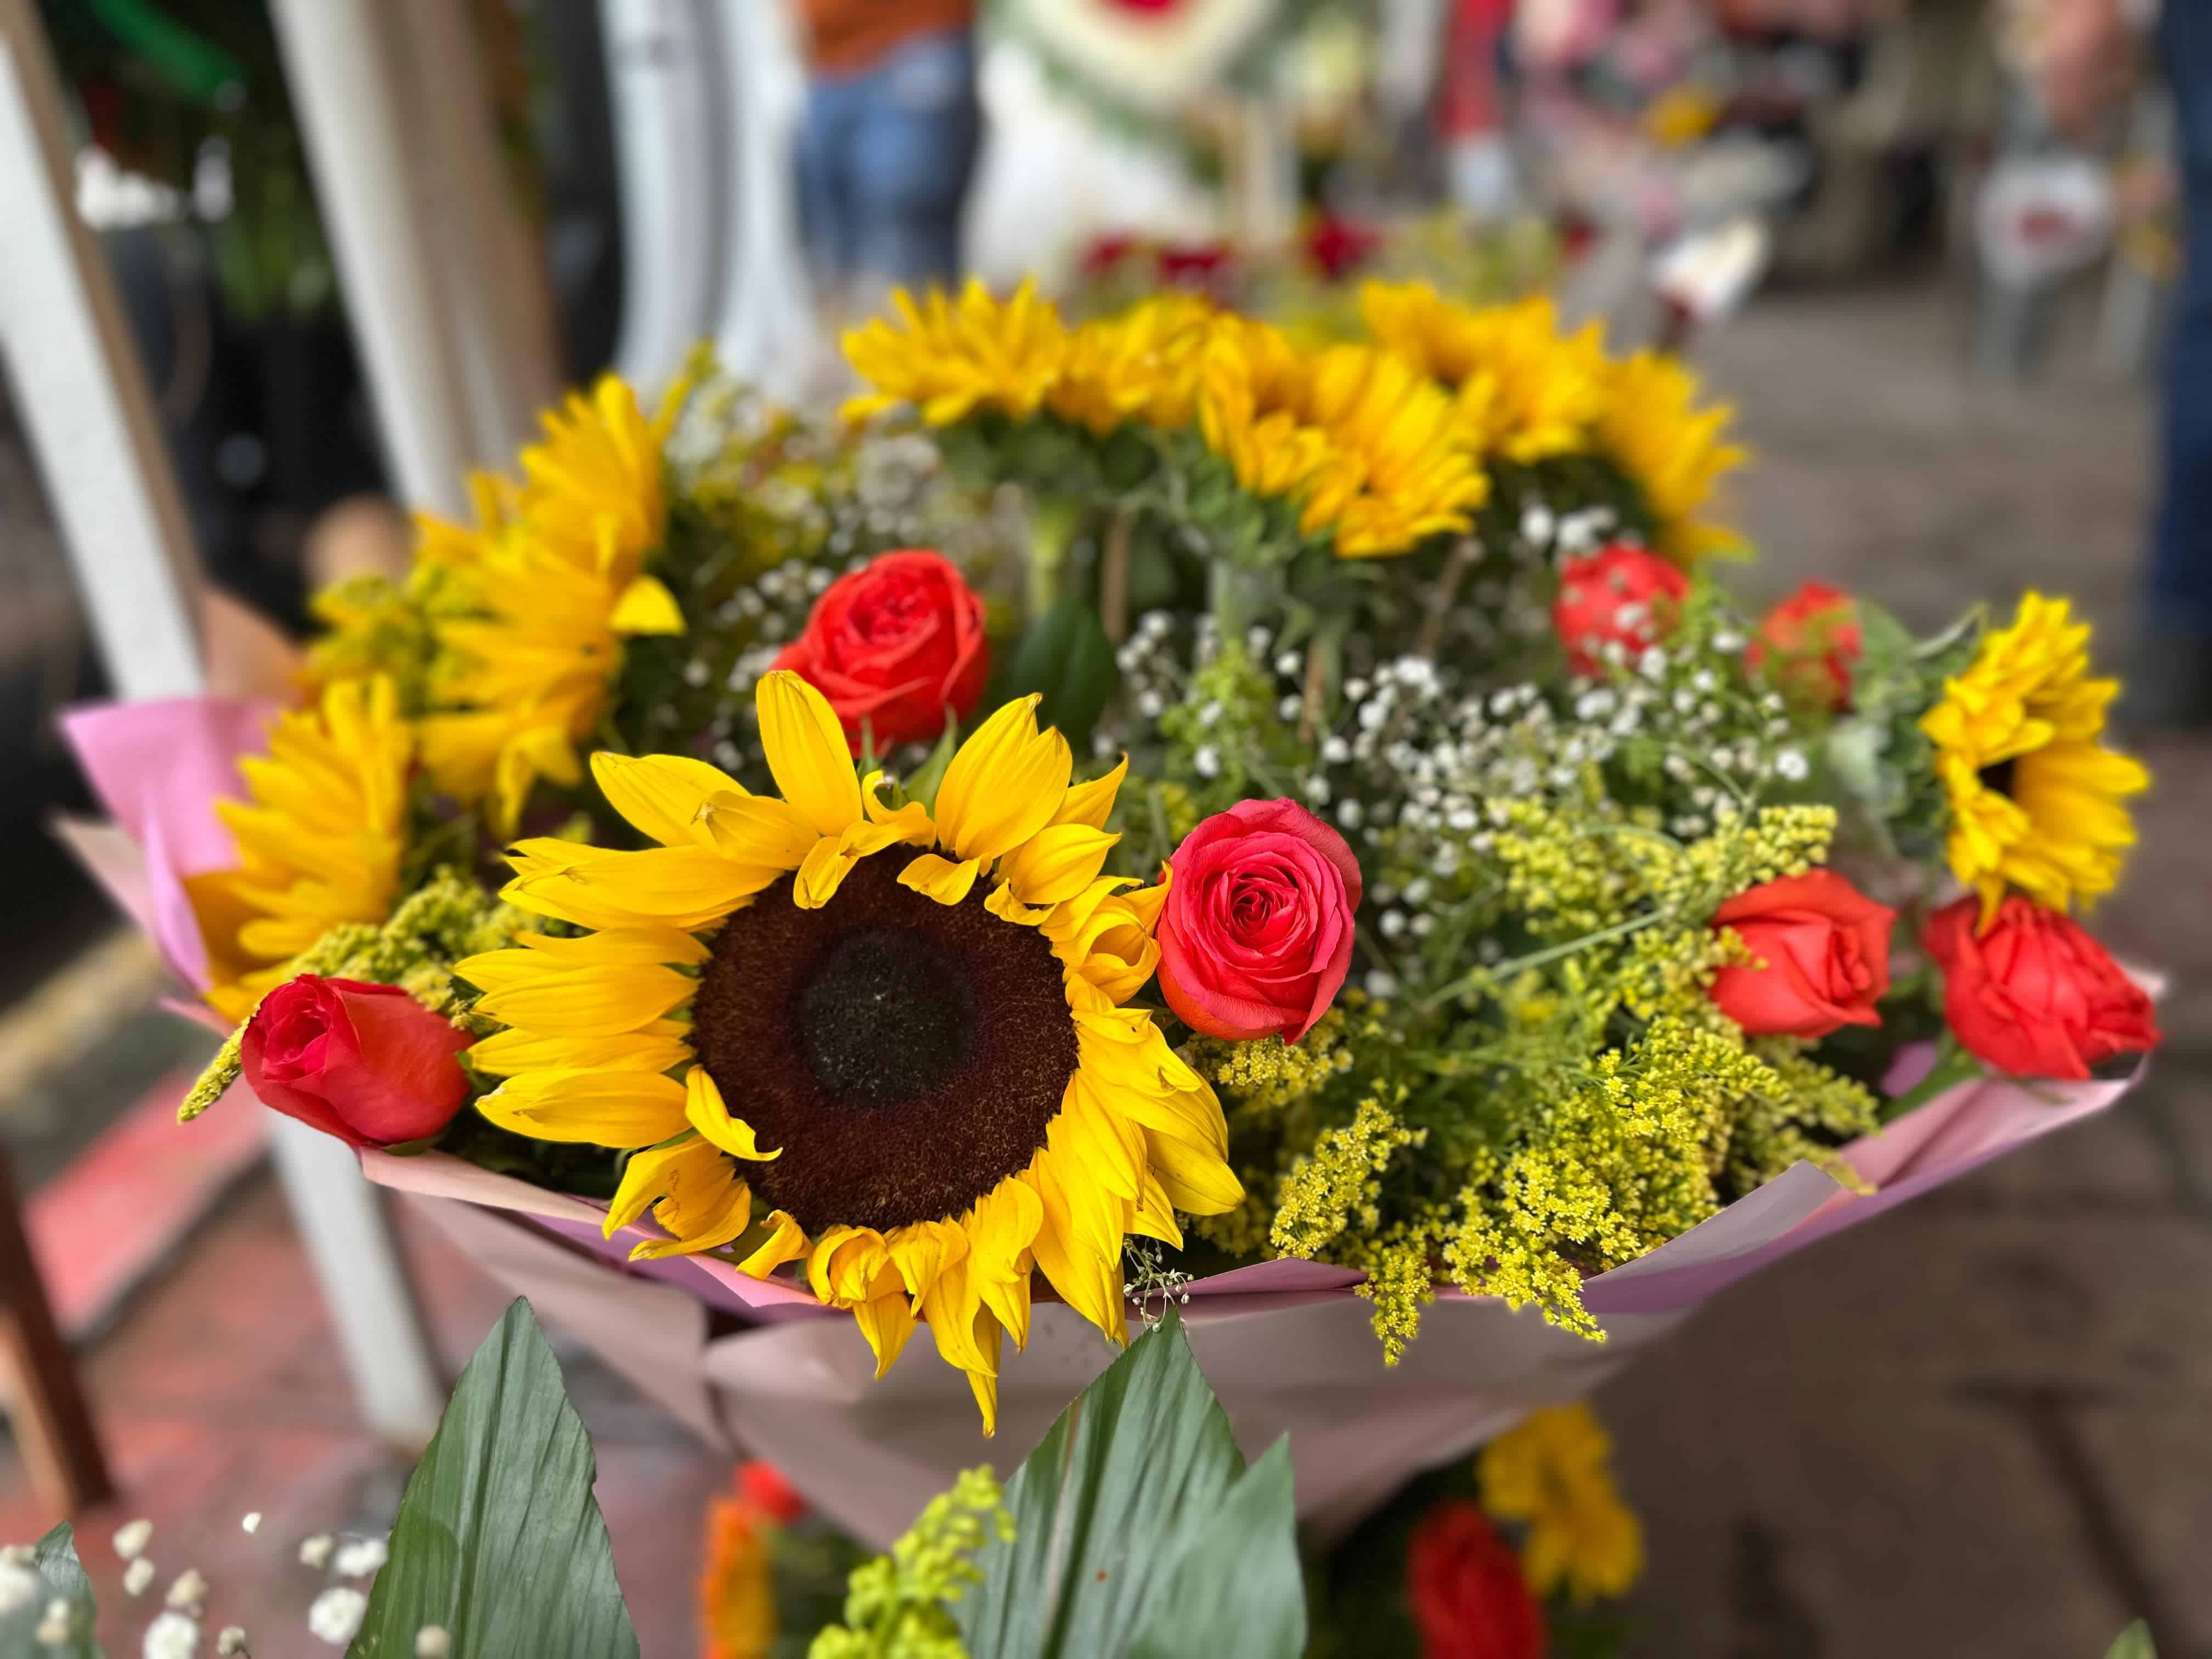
(2033, 994)
(1618, 595)
(1808, 646)
(762, 1484)
(1469, 1596)
(1255, 937)
(892, 645)
(367, 1063)
(1823, 957)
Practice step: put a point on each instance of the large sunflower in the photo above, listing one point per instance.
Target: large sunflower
(2036, 798)
(319, 839)
(1526, 391)
(1673, 453)
(900, 1029)
(554, 581)
(951, 357)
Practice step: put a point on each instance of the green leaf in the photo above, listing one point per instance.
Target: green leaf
(1066, 656)
(1238, 1588)
(2134, 1643)
(499, 1539)
(1138, 1477)
(61, 1576)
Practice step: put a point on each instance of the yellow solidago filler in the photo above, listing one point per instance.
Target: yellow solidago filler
(907, 1032)
(1673, 452)
(1336, 1184)
(952, 358)
(900, 1606)
(555, 581)
(1555, 1475)
(2036, 798)
(1524, 391)
(320, 838)
(1142, 365)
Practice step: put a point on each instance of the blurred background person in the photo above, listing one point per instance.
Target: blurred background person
(888, 142)
(2089, 54)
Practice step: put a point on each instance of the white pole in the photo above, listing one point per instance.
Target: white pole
(352, 115)
(84, 401)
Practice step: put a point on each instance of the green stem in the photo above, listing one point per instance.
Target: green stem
(1539, 958)
(1954, 1065)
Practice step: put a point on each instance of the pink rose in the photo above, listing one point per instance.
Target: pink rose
(367, 1063)
(1256, 933)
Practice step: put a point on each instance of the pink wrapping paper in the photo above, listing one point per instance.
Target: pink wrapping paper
(762, 1367)
(1286, 1345)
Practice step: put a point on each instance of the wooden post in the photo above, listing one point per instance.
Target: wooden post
(47, 1407)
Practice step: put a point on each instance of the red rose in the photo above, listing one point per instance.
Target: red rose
(1469, 1596)
(2032, 994)
(1256, 932)
(1823, 951)
(1620, 594)
(893, 644)
(367, 1063)
(1808, 644)
(1340, 246)
(1193, 264)
(1103, 252)
(762, 1485)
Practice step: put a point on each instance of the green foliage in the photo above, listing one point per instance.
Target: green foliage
(499, 1541)
(1065, 656)
(59, 1578)
(2133, 1642)
(1138, 1530)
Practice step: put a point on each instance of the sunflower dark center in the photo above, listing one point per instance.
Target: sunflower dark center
(905, 1054)
(1998, 776)
(885, 1019)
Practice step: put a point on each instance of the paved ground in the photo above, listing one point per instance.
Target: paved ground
(1979, 1425)
(1975, 1427)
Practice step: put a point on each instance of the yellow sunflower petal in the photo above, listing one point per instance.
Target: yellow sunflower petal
(605, 1107)
(1079, 1244)
(820, 873)
(644, 1178)
(1001, 1229)
(887, 1321)
(671, 945)
(1091, 803)
(758, 831)
(704, 1109)
(983, 1379)
(596, 1000)
(503, 1053)
(674, 886)
(706, 1206)
(664, 795)
(808, 751)
(787, 1242)
(1004, 785)
(1057, 863)
(939, 878)
(646, 607)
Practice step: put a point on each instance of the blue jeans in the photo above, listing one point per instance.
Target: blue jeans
(884, 159)
(2178, 590)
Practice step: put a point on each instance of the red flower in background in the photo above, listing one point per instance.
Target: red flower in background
(1340, 246)
(1808, 645)
(1102, 253)
(761, 1485)
(1255, 937)
(1619, 594)
(1823, 951)
(2032, 994)
(892, 645)
(1194, 264)
(367, 1063)
(1465, 1585)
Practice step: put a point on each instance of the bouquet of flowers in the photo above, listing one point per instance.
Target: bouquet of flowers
(1352, 867)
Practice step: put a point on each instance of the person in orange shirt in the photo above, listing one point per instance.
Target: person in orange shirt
(890, 141)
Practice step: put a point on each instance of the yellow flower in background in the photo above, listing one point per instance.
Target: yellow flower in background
(950, 359)
(906, 1035)
(320, 838)
(1526, 391)
(546, 587)
(737, 1585)
(1362, 435)
(1142, 365)
(1554, 1474)
(1673, 452)
(2036, 798)
(1680, 115)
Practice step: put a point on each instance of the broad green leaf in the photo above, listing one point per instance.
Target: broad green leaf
(1237, 1589)
(61, 1577)
(1066, 656)
(499, 1541)
(1104, 1509)
(2134, 1643)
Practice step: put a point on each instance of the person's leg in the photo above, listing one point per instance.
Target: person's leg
(2171, 681)
(913, 159)
(825, 195)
